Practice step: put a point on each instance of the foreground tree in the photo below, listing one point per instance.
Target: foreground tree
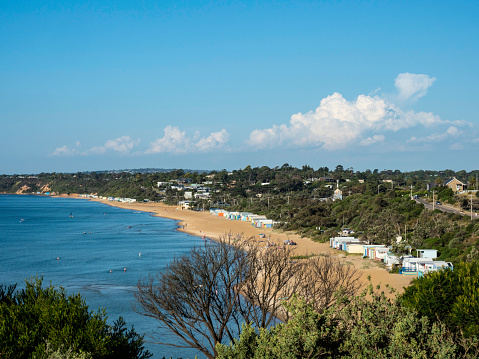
(204, 297)
(197, 296)
(38, 321)
(271, 277)
(323, 278)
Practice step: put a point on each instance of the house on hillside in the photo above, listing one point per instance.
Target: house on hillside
(338, 194)
(326, 179)
(455, 185)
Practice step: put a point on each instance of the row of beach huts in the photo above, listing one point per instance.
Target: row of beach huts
(409, 265)
(111, 199)
(257, 221)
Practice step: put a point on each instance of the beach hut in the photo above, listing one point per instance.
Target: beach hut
(421, 266)
(370, 250)
(221, 213)
(357, 248)
(432, 266)
(410, 266)
(380, 253)
(244, 215)
(256, 218)
(267, 223)
(427, 253)
(338, 242)
(257, 222)
(390, 259)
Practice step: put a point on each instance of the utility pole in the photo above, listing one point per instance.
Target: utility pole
(411, 191)
(471, 205)
(433, 202)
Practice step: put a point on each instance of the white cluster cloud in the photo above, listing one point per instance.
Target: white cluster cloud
(412, 86)
(372, 140)
(451, 132)
(176, 141)
(121, 145)
(337, 123)
(65, 151)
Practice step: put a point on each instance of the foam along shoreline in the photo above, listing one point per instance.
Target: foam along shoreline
(204, 224)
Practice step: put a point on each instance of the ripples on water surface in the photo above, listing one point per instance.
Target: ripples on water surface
(90, 239)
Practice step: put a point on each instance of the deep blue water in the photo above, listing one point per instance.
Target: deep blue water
(90, 239)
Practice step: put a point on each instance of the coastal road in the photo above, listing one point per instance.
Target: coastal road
(441, 207)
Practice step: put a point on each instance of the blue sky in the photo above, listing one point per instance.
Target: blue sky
(210, 85)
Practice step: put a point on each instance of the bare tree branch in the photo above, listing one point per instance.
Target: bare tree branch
(325, 276)
(204, 297)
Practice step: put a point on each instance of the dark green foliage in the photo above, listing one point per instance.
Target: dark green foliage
(362, 327)
(451, 296)
(444, 193)
(36, 315)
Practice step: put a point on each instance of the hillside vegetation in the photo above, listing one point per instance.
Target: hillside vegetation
(377, 205)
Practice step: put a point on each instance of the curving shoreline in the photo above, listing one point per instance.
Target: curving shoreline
(204, 224)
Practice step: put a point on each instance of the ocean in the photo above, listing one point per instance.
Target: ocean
(93, 249)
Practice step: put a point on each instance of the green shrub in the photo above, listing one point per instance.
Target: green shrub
(41, 321)
(369, 326)
(451, 296)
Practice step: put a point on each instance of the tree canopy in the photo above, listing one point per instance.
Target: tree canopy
(38, 320)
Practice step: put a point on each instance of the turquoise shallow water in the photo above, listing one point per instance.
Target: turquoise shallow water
(90, 239)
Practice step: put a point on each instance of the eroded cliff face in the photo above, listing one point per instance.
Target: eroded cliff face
(23, 190)
(45, 188)
(27, 189)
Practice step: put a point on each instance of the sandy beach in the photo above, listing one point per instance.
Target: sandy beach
(205, 224)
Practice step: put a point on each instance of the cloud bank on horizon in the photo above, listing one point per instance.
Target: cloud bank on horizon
(121, 145)
(334, 125)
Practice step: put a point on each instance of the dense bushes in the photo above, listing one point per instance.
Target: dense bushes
(451, 296)
(363, 327)
(37, 322)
